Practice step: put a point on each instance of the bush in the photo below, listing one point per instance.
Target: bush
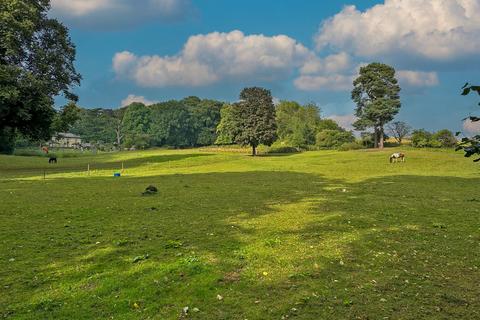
(445, 138)
(421, 138)
(283, 149)
(441, 139)
(351, 146)
(328, 139)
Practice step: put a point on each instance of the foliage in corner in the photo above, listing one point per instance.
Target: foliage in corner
(470, 145)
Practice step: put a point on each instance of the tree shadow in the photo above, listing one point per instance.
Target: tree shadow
(272, 244)
(80, 164)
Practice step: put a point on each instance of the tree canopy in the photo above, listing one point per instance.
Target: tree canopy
(36, 64)
(376, 95)
(256, 118)
(471, 145)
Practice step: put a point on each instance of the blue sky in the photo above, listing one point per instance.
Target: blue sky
(309, 51)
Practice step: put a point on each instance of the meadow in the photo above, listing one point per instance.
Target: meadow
(313, 235)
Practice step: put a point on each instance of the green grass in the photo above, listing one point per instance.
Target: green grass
(314, 235)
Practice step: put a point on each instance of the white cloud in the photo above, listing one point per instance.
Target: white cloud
(471, 127)
(131, 98)
(417, 78)
(214, 57)
(335, 82)
(331, 64)
(345, 121)
(118, 13)
(433, 29)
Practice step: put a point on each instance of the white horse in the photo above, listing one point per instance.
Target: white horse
(397, 156)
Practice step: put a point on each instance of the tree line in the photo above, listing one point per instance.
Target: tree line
(37, 64)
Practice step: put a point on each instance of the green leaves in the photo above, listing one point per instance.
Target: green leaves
(471, 146)
(376, 94)
(36, 63)
(256, 113)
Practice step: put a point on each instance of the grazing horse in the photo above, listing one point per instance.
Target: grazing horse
(398, 156)
(52, 160)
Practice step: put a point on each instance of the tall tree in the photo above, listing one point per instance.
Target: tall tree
(399, 130)
(471, 145)
(257, 123)
(136, 123)
(36, 64)
(376, 95)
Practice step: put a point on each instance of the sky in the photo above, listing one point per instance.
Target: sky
(303, 50)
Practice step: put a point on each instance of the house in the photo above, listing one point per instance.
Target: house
(65, 140)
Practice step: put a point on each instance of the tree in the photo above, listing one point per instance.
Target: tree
(399, 130)
(118, 116)
(136, 122)
(470, 145)
(95, 126)
(256, 118)
(205, 116)
(66, 118)
(296, 124)
(333, 138)
(421, 138)
(228, 128)
(445, 138)
(376, 95)
(172, 125)
(36, 64)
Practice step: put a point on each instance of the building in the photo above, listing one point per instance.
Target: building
(65, 140)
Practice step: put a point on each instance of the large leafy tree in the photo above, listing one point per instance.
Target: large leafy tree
(229, 124)
(256, 114)
(376, 95)
(297, 125)
(96, 125)
(471, 145)
(36, 64)
(172, 125)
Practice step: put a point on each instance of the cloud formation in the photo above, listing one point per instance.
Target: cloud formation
(417, 78)
(131, 98)
(440, 30)
(214, 57)
(471, 127)
(345, 121)
(119, 13)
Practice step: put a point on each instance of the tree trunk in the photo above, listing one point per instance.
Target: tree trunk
(380, 132)
(375, 138)
(254, 150)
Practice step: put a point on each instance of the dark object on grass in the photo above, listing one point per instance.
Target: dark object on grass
(52, 160)
(150, 190)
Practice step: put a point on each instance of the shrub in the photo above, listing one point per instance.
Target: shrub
(283, 149)
(333, 138)
(421, 138)
(445, 138)
(351, 146)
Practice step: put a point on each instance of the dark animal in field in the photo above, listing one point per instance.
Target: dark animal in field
(150, 190)
(398, 156)
(52, 160)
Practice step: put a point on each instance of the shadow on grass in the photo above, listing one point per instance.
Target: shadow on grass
(101, 162)
(272, 244)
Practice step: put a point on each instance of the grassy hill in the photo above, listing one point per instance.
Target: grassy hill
(316, 235)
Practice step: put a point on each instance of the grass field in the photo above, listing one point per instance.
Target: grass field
(316, 235)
